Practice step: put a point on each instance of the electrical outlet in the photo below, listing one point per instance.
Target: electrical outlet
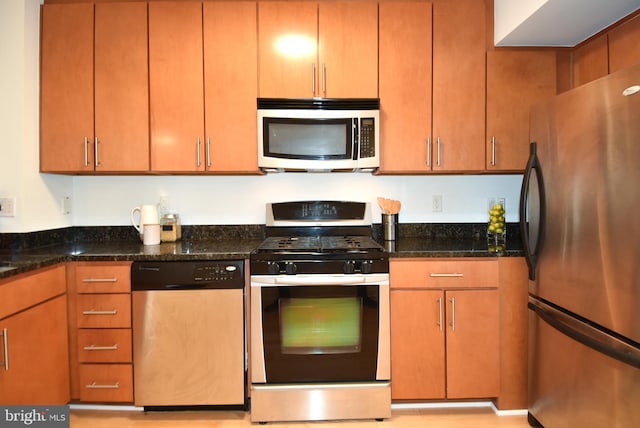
(65, 205)
(163, 206)
(436, 203)
(8, 206)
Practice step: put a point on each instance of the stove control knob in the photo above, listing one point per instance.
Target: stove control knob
(291, 268)
(273, 268)
(366, 266)
(349, 266)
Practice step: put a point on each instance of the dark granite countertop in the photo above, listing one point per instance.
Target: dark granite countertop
(13, 263)
(19, 254)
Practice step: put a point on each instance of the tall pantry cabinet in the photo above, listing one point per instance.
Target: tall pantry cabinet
(94, 90)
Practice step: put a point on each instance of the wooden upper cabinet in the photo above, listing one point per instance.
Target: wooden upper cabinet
(405, 86)
(348, 49)
(287, 49)
(591, 61)
(176, 87)
(458, 85)
(121, 87)
(66, 88)
(230, 85)
(515, 81)
(624, 45)
(310, 50)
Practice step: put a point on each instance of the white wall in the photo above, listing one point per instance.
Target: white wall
(241, 200)
(199, 200)
(37, 196)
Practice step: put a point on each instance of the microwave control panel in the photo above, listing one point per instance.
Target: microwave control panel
(367, 137)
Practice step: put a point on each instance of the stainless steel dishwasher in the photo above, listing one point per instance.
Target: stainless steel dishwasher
(188, 334)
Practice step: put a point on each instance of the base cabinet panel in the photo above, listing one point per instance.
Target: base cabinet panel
(35, 365)
(445, 339)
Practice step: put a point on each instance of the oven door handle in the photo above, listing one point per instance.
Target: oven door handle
(302, 280)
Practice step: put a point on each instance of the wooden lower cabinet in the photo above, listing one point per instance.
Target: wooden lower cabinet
(34, 354)
(444, 344)
(100, 332)
(445, 339)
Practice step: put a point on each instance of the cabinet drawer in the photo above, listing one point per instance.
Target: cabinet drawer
(104, 346)
(106, 382)
(417, 273)
(104, 310)
(103, 278)
(20, 292)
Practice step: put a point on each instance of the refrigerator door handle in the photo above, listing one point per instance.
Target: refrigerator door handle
(531, 252)
(587, 335)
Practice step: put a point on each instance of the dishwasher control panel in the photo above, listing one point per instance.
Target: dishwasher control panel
(188, 274)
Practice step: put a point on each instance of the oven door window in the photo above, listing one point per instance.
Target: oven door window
(320, 333)
(310, 139)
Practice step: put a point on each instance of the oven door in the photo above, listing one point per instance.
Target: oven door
(320, 328)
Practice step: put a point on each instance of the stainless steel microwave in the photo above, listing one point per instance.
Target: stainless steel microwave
(318, 134)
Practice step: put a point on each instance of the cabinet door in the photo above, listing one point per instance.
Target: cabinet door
(230, 75)
(458, 85)
(417, 344)
(121, 87)
(38, 356)
(176, 86)
(66, 88)
(473, 339)
(590, 61)
(405, 86)
(515, 81)
(287, 49)
(624, 45)
(348, 50)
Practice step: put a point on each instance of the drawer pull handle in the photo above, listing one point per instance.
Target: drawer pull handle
(94, 385)
(101, 348)
(100, 280)
(94, 312)
(5, 349)
(446, 275)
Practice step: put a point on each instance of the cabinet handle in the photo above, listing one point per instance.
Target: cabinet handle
(324, 79)
(198, 162)
(208, 147)
(428, 151)
(440, 313)
(95, 151)
(446, 275)
(5, 347)
(101, 348)
(313, 78)
(493, 150)
(86, 151)
(89, 280)
(453, 313)
(95, 312)
(438, 151)
(95, 385)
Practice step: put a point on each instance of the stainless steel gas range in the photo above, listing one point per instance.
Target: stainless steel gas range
(320, 345)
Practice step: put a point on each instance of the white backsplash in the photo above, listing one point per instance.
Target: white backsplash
(242, 199)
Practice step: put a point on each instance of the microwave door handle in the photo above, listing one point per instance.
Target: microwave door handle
(355, 139)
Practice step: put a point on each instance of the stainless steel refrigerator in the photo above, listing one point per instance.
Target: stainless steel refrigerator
(580, 222)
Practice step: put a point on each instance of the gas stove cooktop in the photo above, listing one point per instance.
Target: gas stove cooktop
(319, 244)
(319, 237)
